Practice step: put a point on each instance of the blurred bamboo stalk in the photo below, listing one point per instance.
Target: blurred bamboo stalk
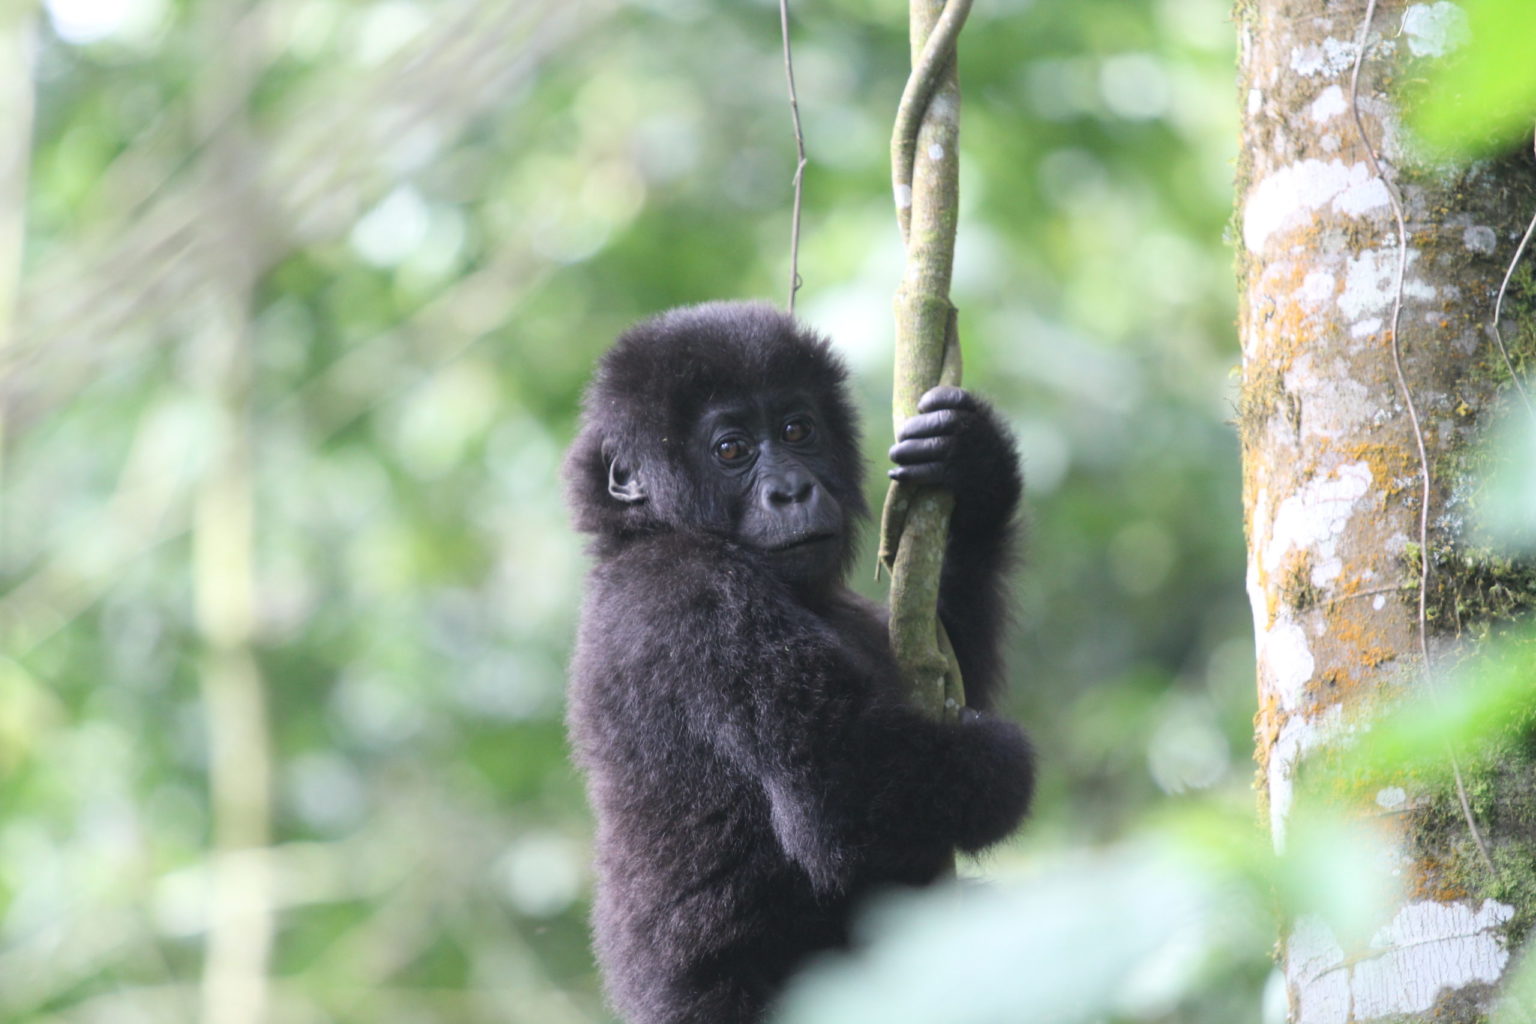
(239, 757)
(16, 104)
(236, 987)
(17, 100)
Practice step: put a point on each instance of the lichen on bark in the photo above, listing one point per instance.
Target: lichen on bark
(1332, 473)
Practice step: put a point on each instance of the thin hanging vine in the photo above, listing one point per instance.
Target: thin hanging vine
(794, 115)
(1425, 490)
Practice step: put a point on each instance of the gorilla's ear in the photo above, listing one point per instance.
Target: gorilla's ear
(623, 481)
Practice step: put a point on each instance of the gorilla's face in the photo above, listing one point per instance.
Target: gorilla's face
(766, 460)
(725, 419)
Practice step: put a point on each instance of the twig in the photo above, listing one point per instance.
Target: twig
(1396, 200)
(794, 115)
(1376, 592)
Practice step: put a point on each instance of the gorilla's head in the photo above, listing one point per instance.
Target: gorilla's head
(726, 418)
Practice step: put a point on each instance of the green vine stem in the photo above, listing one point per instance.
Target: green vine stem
(925, 180)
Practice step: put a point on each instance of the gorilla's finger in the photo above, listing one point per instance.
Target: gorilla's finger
(930, 424)
(945, 397)
(922, 449)
(922, 473)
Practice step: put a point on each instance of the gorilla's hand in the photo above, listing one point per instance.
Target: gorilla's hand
(953, 434)
(958, 442)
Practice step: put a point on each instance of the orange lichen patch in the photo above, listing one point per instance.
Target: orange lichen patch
(1284, 319)
(1374, 656)
(1267, 721)
(1326, 685)
(1358, 643)
(1348, 625)
(1393, 466)
(1433, 877)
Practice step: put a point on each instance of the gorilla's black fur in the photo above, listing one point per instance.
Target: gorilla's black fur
(736, 710)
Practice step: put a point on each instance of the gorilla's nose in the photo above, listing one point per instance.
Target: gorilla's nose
(789, 489)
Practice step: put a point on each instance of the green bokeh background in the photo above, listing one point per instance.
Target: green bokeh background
(451, 209)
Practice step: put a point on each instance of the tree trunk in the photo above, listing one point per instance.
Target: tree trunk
(1347, 425)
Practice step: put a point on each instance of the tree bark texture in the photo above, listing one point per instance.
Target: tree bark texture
(1333, 480)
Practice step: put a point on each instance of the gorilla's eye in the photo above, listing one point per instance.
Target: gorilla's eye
(732, 449)
(796, 430)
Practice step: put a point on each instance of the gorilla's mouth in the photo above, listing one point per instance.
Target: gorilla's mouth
(803, 542)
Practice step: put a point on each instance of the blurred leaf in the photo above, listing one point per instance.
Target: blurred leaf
(1517, 1004)
(1078, 941)
(1480, 707)
(1510, 510)
(1484, 98)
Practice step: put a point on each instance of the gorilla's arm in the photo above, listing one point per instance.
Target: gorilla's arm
(958, 441)
(787, 698)
(845, 782)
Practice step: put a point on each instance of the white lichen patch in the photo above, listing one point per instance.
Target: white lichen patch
(1333, 403)
(1329, 58)
(1370, 281)
(1480, 239)
(935, 152)
(1427, 949)
(1291, 195)
(1392, 797)
(1330, 103)
(1285, 658)
(1255, 101)
(1326, 571)
(942, 108)
(903, 197)
(1313, 518)
(1316, 289)
(1365, 328)
(1312, 959)
(1297, 737)
(1434, 30)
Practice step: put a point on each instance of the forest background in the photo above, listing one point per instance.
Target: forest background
(306, 295)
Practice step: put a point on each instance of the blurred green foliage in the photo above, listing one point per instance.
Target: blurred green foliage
(1176, 923)
(1483, 100)
(449, 210)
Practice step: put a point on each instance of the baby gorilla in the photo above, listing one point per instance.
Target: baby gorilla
(735, 707)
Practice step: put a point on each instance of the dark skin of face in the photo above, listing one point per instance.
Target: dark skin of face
(768, 457)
